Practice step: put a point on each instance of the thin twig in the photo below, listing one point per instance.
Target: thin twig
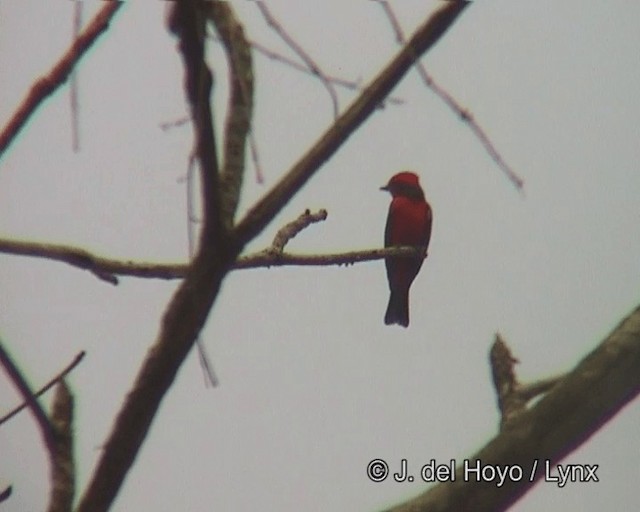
(313, 67)
(210, 378)
(46, 85)
(453, 104)
(168, 125)
(73, 86)
(46, 387)
(255, 158)
(290, 230)
(19, 381)
(342, 82)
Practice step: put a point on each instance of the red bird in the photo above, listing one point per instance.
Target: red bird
(408, 224)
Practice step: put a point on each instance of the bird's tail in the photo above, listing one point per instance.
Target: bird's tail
(398, 308)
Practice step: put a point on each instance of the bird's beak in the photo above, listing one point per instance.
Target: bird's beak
(385, 188)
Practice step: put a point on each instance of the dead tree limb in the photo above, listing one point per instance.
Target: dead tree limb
(537, 439)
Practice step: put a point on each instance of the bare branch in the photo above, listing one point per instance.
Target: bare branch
(393, 20)
(5, 493)
(189, 24)
(19, 381)
(266, 258)
(255, 158)
(46, 387)
(513, 396)
(424, 38)
(46, 85)
(73, 86)
(290, 230)
(575, 409)
(176, 123)
(453, 104)
(210, 378)
(192, 301)
(62, 466)
(313, 67)
(347, 84)
(238, 122)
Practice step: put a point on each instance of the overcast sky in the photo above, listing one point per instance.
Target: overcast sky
(313, 384)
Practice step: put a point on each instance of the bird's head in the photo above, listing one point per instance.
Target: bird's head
(405, 184)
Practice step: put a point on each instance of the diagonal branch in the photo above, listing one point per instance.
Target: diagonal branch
(16, 376)
(573, 410)
(453, 104)
(342, 82)
(424, 38)
(46, 85)
(45, 388)
(56, 433)
(5, 493)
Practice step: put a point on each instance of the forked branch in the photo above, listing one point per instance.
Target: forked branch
(571, 411)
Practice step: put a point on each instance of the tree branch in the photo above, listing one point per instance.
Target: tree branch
(46, 85)
(192, 301)
(313, 67)
(347, 84)
(425, 37)
(289, 231)
(100, 266)
(512, 395)
(45, 388)
(56, 432)
(5, 493)
(188, 22)
(19, 381)
(453, 104)
(571, 412)
(238, 122)
(62, 467)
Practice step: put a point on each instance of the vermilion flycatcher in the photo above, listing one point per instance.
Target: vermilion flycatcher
(408, 224)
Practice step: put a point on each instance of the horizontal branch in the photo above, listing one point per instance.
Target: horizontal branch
(108, 269)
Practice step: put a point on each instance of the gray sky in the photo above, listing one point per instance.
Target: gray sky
(314, 385)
